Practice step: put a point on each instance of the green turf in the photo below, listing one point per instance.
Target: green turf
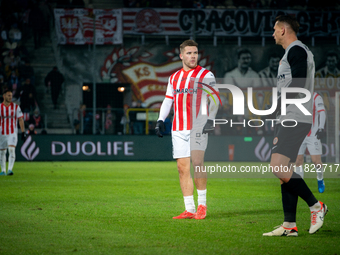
(127, 208)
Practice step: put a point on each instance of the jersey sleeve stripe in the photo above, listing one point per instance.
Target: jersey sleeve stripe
(2, 119)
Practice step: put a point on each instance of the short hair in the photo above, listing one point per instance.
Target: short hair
(332, 53)
(290, 20)
(274, 55)
(187, 43)
(242, 51)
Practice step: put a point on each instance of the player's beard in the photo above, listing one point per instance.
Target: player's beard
(190, 64)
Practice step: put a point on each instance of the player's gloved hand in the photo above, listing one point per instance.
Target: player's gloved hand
(208, 127)
(23, 136)
(160, 128)
(321, 133)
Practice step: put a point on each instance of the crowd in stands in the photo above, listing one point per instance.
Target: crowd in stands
(20, 20)
(251, 4)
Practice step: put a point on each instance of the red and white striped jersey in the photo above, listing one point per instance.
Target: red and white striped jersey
(182, 89)
(9, 116)
(318, 106)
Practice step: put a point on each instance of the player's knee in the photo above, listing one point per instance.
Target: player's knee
(317, 162)
(182, 170)
(11, 152)
(197, 162)
(2, 153)
(299, 162)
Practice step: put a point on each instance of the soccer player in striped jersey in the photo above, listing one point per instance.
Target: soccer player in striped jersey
(10, 113)
(190, 126)
(313, 141)
(296, 69)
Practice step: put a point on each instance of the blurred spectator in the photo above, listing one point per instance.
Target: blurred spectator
(28, 97)
(269, 74)
(136, 124)
(1, 80)
(14, 33)
(15, 85)
(198, 4)
(81, 116)
(110, 120)
(36, 119)
(87, 123)
(31, 130)
(4, 32)
(124, 120)
(10, 60)
(54, 80)
(26, 70)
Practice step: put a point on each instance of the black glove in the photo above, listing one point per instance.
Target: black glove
(208, 127)
(23, 136)
(160, 128)
(321, 133)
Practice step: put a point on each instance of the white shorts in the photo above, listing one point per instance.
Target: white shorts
(313, 145)
(183, 142)
(6, 140)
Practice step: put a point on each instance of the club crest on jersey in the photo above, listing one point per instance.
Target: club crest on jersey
(275, 140)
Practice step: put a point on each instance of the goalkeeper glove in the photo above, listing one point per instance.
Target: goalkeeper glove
(321, 133)
(160, 128)
(23, 136)
(208, 127)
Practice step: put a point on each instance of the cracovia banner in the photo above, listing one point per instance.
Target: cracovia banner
(141, 148)
(224, 22)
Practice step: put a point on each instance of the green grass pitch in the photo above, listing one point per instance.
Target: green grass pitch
(127, 208)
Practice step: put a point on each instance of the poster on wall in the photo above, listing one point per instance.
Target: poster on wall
(76, 26)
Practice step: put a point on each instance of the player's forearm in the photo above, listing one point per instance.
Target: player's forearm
(322, 120)
(22, 125)
(213, 108)
(165, 109)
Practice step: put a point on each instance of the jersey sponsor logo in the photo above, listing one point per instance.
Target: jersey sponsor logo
(281, 77)
(185, 91)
